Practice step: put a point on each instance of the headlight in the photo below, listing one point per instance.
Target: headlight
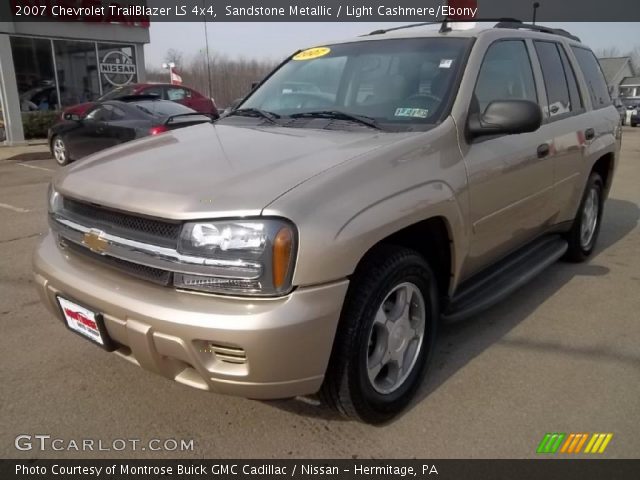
(54, 200)
(255, 257)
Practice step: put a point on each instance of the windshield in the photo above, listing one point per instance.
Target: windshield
(400, 83)
(118, 92)
(162, 108)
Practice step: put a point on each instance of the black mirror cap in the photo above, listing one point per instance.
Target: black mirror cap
(506, 117)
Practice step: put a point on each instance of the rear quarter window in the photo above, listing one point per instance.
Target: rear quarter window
(594, 77)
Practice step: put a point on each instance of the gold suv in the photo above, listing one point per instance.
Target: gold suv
(313, 238)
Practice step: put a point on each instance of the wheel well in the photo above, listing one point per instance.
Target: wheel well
(432, 240)
(604, 167)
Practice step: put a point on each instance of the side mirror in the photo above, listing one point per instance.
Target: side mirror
(506, 117)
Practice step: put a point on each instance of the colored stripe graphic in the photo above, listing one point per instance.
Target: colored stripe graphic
(572, 443)
(551, 442)
(598, 443)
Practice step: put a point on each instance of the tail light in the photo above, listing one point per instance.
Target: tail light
(158, 130)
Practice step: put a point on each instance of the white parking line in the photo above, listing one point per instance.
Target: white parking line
(36, 167)
(14, 209)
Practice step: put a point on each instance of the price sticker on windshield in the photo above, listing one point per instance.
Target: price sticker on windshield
(312, 53)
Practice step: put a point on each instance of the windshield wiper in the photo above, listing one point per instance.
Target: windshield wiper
(256, 112)
(339, 115)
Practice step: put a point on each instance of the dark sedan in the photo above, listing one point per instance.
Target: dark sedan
(117, 121)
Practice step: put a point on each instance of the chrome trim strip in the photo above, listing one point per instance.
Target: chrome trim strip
(158, 257)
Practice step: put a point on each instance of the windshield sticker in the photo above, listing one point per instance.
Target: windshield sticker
(446, 63)
(412, 112)
(312, 53)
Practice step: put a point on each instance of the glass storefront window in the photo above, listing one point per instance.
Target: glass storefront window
(77, 71)
(117, 66)
(35, 76)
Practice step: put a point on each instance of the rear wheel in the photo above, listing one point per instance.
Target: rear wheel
(385, 337)
(586, 226)
(59, 150)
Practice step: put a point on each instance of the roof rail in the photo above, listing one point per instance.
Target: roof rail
(537, 28)
(445, 24)
(402, 27)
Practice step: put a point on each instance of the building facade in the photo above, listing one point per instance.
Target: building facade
(47, 66)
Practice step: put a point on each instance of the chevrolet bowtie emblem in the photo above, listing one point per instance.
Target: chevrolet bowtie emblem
(94, 240)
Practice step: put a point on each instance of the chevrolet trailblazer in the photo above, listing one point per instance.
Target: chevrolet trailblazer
(313, 239)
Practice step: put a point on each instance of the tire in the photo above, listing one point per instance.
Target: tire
(59, 151)
(377, 285)
(583, 235)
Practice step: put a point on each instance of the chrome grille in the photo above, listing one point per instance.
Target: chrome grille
(157, 232)
(155, 275)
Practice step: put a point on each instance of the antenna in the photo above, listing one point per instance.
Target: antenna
(536, 6)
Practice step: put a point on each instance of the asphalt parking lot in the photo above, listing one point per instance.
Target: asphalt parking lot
(561, 355)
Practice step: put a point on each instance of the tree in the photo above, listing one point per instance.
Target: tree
(608, 52)
(174, 56)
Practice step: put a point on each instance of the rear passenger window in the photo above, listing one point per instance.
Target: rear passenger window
(555, 79)
(593, 76)
(574, 91)
(506, 74)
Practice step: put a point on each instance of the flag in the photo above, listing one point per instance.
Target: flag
(176, 79)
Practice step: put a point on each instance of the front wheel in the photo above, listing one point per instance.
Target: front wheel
(59, 150)
(586, 226)
(385, 338)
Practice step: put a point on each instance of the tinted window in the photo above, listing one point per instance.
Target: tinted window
(574, 91)
(506, 74)
(118, 114)
(555, 81)
(175, 94)
(155, 90)
(596, 83)
(162, 108)
(100, 114)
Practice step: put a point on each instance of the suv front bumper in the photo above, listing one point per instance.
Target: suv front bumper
(251, 347)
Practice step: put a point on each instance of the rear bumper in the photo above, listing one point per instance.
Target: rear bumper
(255, 348)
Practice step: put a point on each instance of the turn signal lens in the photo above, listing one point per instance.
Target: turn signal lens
(282, 248)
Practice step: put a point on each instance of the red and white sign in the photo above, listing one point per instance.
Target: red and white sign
(81, 320)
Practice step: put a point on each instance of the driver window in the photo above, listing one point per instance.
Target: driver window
(506, 74)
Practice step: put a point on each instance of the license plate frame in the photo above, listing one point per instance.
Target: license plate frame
(85, 322)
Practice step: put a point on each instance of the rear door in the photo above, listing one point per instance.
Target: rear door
(566, 124)
(510, 178)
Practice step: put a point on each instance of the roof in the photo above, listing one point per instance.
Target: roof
(631, 82)
(612, 67)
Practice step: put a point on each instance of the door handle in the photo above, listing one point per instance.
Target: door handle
(589, 134)
(543, 150)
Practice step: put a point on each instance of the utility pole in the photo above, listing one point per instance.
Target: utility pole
(206, 38)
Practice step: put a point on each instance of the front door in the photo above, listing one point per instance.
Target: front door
(510, 177)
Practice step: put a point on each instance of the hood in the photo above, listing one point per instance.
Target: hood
(212, 170)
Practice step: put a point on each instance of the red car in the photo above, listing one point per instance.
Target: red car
(176, 93)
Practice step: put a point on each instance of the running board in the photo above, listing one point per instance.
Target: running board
(500, 281)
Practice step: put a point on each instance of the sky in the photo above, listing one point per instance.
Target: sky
(274, 41)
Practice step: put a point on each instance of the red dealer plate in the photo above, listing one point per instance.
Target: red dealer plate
(85, 322)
